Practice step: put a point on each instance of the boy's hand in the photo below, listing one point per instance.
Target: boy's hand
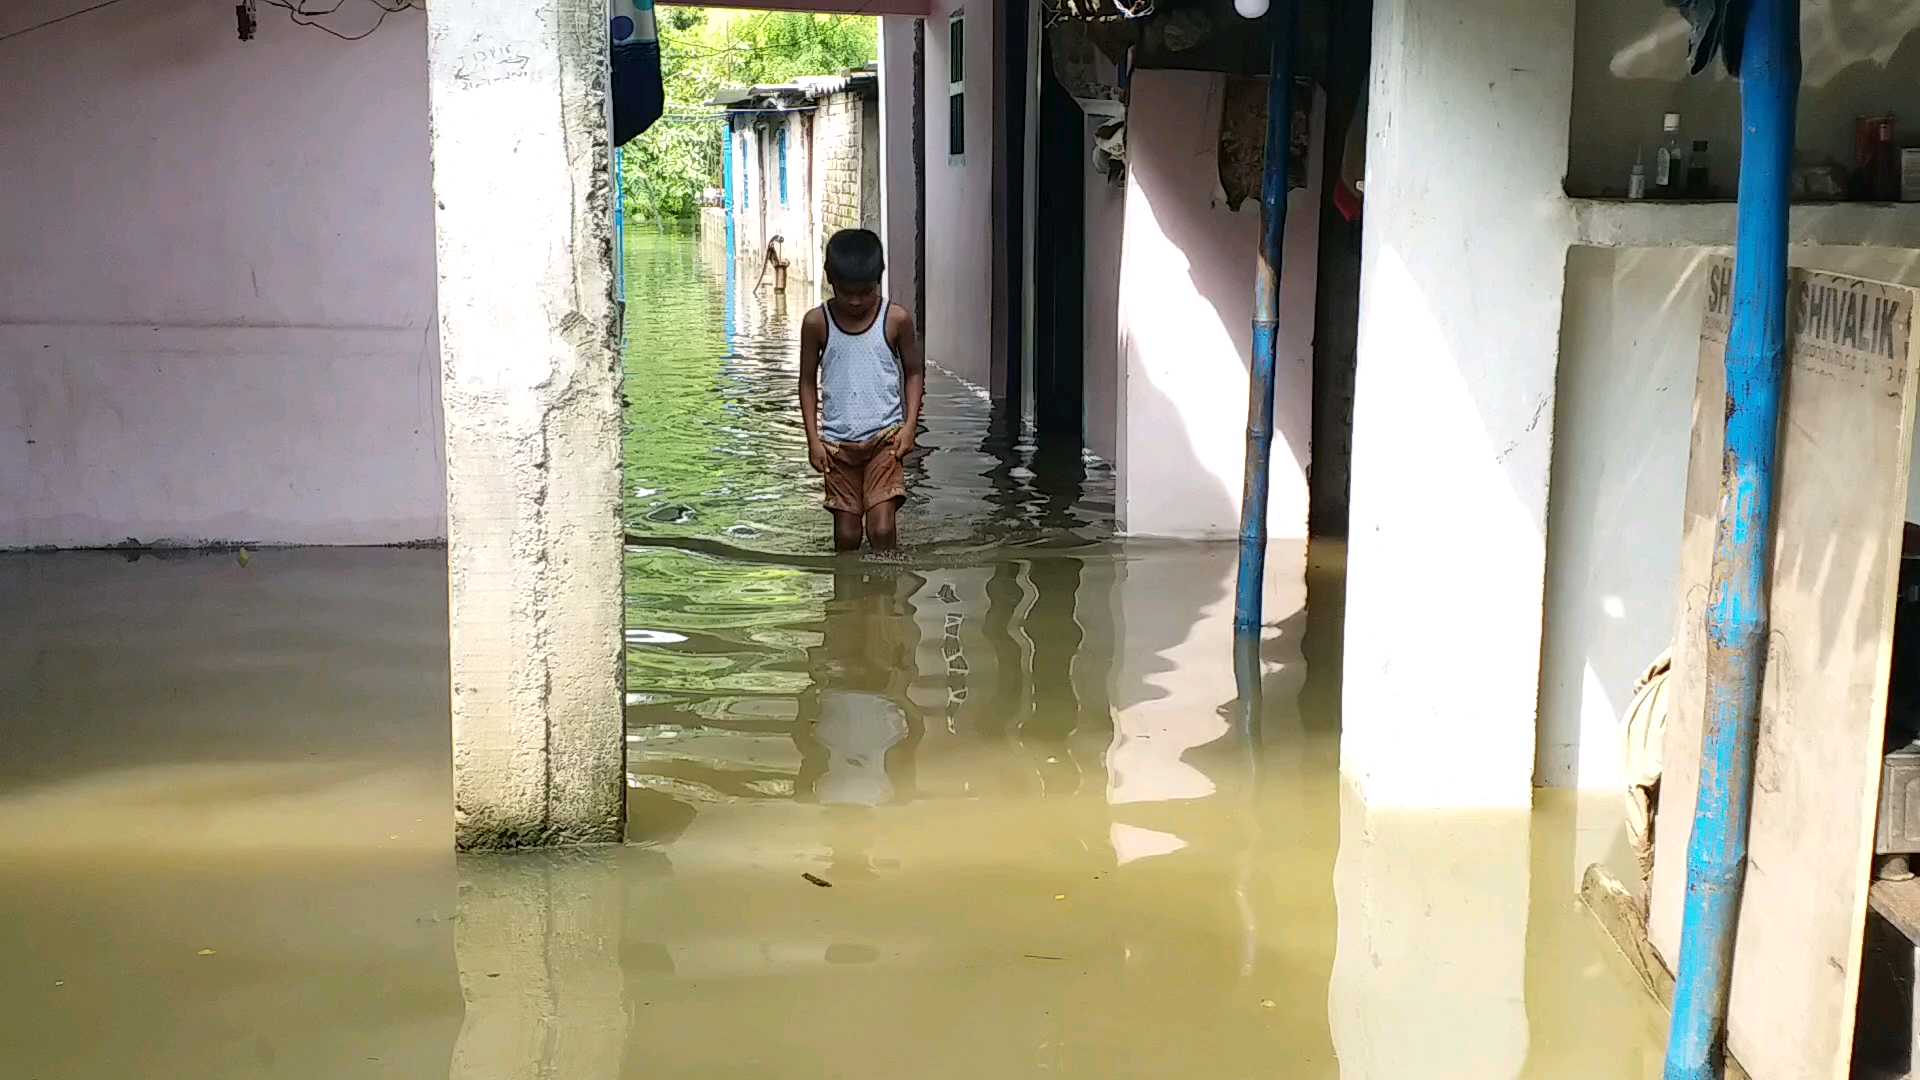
(903, 443)
(817, 457)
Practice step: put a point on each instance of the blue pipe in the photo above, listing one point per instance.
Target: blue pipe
(619, 231)
(1266, 321)
(1743, 542)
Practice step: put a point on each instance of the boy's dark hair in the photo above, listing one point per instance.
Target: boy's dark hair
(854, 257)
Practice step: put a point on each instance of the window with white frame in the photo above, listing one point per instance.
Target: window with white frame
(957, 83)
(780, 151)
(746, 181)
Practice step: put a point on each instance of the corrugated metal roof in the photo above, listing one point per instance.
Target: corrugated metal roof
(802, 89)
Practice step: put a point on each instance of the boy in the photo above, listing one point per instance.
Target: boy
(861, 381)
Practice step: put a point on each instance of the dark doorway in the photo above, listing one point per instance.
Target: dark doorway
(1011, 80)
(1059, 259)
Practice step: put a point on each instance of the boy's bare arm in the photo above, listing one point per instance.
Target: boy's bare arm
(813, 335)
(913, 369)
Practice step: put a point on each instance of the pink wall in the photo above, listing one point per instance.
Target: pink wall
(959, 212)
(217, 291)
(1106, 205)
(1186, 309)
(899, 201)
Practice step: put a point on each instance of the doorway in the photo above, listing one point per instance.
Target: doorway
(1059, 261)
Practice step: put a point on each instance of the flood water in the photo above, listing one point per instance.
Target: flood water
(995, 807)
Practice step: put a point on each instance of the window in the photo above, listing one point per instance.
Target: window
(746, 185)
(780, 150)
(957, 84)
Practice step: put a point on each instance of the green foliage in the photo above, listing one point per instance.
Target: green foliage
(664, 171)
(774, 46)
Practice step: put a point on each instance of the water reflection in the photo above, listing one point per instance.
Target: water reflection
(1000, 815)
(857, 728)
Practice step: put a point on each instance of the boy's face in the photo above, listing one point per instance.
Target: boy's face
(856, 301)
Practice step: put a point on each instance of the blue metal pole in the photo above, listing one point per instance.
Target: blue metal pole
(1743, 542)
(1266, 321)
(619, 231)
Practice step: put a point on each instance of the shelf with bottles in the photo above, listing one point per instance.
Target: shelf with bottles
(1631, 74)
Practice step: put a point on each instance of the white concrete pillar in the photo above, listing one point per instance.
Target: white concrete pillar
(531, 381)
(1463, 264)
(1430, 956)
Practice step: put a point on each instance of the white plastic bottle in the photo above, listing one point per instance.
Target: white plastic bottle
(1670, 162)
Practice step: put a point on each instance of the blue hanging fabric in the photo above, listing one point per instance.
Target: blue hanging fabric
(639, 95)
(1714, 27)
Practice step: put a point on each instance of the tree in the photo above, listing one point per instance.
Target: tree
(664, 171)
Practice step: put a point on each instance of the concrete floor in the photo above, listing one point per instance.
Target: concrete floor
(226, 805)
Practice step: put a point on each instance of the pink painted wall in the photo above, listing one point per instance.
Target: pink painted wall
(959, 213)
(217, 290)
(1186, 309)
(1106, 205)
(899, 201)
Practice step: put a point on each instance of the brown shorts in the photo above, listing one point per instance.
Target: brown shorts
(862, 475)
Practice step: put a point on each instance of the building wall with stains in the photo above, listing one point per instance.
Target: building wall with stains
(217, 313)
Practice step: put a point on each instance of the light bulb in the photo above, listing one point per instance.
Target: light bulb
(1250, 9)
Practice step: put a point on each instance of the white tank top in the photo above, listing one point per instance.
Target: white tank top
(860, 381)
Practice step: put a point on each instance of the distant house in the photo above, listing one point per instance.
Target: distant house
(802, 161)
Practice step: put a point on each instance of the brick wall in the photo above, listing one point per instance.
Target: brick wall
(837, 144)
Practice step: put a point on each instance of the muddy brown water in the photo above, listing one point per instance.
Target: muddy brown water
(996, 807)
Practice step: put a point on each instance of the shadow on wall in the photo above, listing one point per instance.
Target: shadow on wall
(1861, 58)
(1186, 309)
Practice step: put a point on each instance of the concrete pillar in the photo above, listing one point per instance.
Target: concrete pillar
(1431, 945)
(1463, 264)
(531, 382)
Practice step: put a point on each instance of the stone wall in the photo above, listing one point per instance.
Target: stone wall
(838, 146)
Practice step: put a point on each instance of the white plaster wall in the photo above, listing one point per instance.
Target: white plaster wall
(217, 300)
(1862, 57)
(768, 215)
(1629, 358)
(793, 217)
(959, 212)
(1185, 326)
(749, 201)
(1105, 210)
(899, 202)
(1463, 260)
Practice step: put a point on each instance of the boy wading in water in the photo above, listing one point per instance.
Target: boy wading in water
(861, 381)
